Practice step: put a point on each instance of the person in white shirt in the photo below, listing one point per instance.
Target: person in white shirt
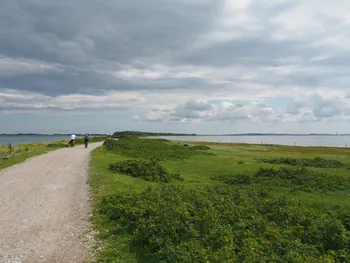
(72, 140)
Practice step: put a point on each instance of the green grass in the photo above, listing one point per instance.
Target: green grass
(119, 197)
(20, 153)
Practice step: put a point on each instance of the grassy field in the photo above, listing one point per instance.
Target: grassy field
(10, 155)
(159, 201)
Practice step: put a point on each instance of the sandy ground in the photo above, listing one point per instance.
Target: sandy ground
(44, 208)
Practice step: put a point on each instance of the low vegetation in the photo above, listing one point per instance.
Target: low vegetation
(147, 170)
(229, 207)
(216, 224)
(297, 178)
(10, 155)
(156, 149)
(315, 162)
(145, 134)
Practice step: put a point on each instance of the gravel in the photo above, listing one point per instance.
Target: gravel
(45, 208)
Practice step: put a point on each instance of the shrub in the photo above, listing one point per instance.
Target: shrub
(235, 179)
(216, 224)
(301, 178)
(9, 147)
(155, 149)
(200, 147)
(57, 145)
(147, 170)
(316, 162)
(91, 139)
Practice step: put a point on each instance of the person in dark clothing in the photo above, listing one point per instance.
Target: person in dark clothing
(86, 140)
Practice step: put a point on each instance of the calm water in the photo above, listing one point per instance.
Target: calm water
(328, 141)
(24, 139)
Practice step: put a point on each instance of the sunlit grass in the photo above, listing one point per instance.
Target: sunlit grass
(201, 170)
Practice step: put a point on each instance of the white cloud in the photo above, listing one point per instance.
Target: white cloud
(288, 61)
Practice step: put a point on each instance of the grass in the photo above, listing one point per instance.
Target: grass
(137, 218)
(20, 153)
(11, 155)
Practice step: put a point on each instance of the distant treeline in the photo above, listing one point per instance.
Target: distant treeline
(144, 134)
(55, 134)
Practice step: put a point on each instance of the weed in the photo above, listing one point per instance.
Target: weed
(316, 162)
(245, 218)
(216, 224)
(302, 178)
(157, 149)
(9, 147)
(57, 145)
(200, 147)
(147, 170)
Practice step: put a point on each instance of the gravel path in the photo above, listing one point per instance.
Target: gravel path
(44, 208)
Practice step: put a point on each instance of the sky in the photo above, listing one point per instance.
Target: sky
(193, 66)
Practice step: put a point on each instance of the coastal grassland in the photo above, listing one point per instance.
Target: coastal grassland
(10, 155)
(234, 202)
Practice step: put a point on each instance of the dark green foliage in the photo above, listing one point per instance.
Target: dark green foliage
(220, 224)
(300, 178)
(147, 170)
(235, 179)
(316, 162)
(240, 162)
(144, 134)
(91, 139)
(9, 147)
(150, 149)
(201, 147)
(57, 145)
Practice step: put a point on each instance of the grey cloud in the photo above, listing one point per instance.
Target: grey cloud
(191, 109)
(197, 106)
(292, 108)
(307, 117)
(80, 31)
(253, 112)
(66, 47)
(79, 34)
(326, 111)
(326, 107)
(320, 107)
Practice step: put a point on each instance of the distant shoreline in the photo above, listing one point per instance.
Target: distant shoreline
(54, 134)
(238, 134)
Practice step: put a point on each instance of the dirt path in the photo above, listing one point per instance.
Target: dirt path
(44, 208)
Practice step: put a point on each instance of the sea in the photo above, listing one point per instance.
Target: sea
(27, 139)
(292, 140)
(305, 140)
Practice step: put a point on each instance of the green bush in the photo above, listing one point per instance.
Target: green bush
(57, 145)
(200, 147)
(316, 162)
(91, 139)
(217, 224)
(147, 170)
(154, 149)
(299, 178)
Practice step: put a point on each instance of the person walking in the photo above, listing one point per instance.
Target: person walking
(86, 140)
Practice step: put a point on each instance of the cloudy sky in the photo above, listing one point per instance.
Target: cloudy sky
(203, 66)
